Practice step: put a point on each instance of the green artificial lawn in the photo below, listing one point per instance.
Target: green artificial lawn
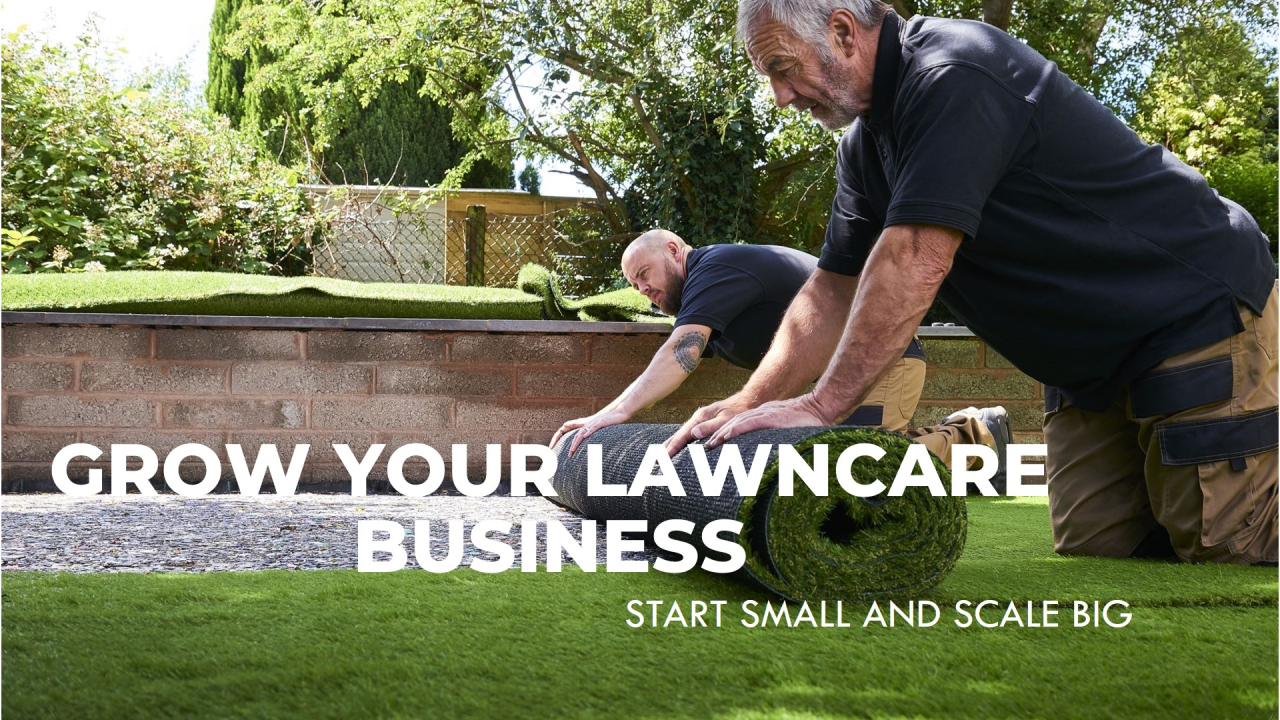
(210, 293)
(1202, 644)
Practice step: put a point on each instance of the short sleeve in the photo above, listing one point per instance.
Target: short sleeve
(958, 131)
(853, 227)
(715, 294)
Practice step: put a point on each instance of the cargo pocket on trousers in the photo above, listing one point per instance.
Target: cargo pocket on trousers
(1221, 449)
(1181, 388)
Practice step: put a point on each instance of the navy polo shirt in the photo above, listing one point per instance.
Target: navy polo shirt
(1089, 255)
(742, 292)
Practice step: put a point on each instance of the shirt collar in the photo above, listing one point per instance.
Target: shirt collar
(884, 79)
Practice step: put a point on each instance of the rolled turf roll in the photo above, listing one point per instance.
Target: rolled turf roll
(802, 547)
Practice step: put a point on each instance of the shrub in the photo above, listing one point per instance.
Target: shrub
(1251, 181)
(99, 178)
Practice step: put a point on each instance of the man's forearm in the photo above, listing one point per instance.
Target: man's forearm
(901, 280)
(673, 362)
(805, 341)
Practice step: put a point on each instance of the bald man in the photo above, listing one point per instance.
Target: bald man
(728, 301)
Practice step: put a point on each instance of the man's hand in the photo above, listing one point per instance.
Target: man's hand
(589, 425)
(801, 411)
(706, 421)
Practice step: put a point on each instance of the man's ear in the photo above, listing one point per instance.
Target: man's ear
(842, 31)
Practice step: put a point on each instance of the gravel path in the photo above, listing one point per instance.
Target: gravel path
(170, 533)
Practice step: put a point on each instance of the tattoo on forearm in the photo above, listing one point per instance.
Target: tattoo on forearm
(688, 350)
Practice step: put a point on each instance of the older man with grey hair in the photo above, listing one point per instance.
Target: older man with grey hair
(976, 172)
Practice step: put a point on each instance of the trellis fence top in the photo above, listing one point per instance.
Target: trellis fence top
(505, 202)
(467, 237)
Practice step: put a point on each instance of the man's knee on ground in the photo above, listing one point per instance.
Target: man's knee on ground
(1154, 545)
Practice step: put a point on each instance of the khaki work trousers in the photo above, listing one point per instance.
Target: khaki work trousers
(897, 395)
(1190, 446)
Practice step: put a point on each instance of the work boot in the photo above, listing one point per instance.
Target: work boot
(996, 420)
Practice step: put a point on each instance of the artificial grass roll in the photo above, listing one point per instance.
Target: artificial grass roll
(179, 292)
(176, 292)
(624, 305)
(802, 547)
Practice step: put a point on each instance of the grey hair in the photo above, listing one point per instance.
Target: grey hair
(808, 18)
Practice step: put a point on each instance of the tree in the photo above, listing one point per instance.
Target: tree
(653, 105)
(400, 138)
(1210, 99)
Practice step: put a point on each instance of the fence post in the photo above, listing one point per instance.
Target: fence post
(475, 245)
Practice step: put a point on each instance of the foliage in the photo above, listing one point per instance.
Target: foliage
(399, 137)
(530, 180)
(1252, 182)
(652, 105)
(1211, 99)
(656, 108)
(1211, 95)
(96, 178)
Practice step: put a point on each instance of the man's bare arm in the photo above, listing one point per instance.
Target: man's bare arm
(800, 352)
(902, 277)
(671, 364)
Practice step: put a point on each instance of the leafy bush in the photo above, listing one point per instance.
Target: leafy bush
(1251, 181)
(97, 178)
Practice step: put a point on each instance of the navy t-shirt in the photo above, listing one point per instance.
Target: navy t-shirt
(742, 292)
(1089, 255)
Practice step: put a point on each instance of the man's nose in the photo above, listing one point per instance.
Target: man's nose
(783, 95)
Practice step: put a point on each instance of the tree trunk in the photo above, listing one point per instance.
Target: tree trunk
(997, 12)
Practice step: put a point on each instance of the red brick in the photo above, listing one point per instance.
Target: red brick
(152, 378)
(438, 380)
(234, 414)
(443, 442)
(517, 348)
(30, 375)
(952, 353)
(996, 360)
(208, 344)
(70, 411)
(321, 450)
(522, 415)
(100, 342)
(161, 441)
(365, 346)
(625, 349)
(301, 379)
(984, 386)
(34, 445)
(381, 412)
(574, 382)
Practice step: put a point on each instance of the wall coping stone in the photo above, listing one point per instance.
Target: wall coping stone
(14, 317)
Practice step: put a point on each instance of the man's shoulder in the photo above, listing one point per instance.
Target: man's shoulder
(933, 43)
(750, 258)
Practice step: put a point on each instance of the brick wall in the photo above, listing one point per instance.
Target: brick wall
(163, 387)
